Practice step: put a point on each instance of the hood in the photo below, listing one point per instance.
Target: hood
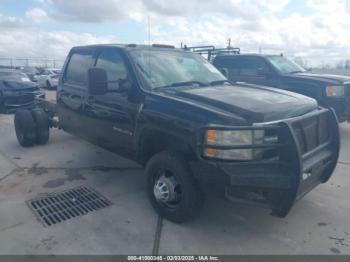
(254, 103)
(18, 86)
(334, 79)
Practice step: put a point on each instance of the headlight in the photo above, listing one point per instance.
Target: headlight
(233, 138)
(335, 91)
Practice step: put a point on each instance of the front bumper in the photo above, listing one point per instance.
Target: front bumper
(341, 107)
(21, 100)
(302, 159)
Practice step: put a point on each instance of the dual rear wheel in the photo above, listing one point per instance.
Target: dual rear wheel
(32, 127)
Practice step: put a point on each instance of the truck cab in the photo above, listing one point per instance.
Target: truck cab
(280, 72)
(195, 132)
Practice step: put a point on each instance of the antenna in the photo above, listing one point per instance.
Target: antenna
(149, 30)
(229, 43)
(149, 44)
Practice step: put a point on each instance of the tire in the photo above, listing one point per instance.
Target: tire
(42, 126)
(25, 128)
(2, 105)
(48, 85)
(173, 165)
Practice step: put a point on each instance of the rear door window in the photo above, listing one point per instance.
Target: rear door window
(231, 63)
(79, 63)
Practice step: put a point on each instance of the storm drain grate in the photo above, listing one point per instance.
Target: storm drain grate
(55, 208)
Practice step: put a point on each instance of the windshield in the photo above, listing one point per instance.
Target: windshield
(171, 68)
(14, 76)
(285, 65)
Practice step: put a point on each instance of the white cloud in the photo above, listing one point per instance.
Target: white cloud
(321, 36)
(38, 15)
(9, 23)
(19, 40)
(92, 11)
(328, 6)
(116, 10)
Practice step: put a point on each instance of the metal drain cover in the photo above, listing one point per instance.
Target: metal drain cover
(57, 207)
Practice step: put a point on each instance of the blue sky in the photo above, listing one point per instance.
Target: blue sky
(318, 31)
(125, 30)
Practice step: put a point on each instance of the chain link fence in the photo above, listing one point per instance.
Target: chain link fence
(30, 62)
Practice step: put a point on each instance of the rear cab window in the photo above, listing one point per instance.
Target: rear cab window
(240, 65)
(231, 63)
(251, 65)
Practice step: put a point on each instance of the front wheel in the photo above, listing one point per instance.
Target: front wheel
(172, 190)
(2, 104)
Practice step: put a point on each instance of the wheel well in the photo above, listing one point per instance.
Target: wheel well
(152, 142)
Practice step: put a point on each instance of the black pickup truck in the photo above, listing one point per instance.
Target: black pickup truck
(280, 72)
(175, 113)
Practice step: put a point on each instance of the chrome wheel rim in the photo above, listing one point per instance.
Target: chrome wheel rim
(167, 190)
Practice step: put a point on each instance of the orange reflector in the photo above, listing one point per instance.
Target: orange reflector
(211, 136)
(210, 152)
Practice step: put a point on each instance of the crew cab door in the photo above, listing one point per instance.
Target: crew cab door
(112, 114)
(72, 92)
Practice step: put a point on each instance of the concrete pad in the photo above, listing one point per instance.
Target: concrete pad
(345, 143)
(62, 151)
(126, 227)
(317, 224)
(6, 166)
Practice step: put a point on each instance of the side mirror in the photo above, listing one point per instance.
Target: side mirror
(97, 81)
(224, 71)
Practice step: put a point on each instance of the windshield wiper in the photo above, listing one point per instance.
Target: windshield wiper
(295, 72)
(184, 83)
(220, 82)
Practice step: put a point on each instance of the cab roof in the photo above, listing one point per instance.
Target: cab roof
(132, 46)
(249, 54)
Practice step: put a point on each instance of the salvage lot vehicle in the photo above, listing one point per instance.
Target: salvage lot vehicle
(16, 90)
(48, 78)
(32, 72)
(175, 113)
(280, 72)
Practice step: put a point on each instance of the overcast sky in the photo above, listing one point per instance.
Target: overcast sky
(317, 30)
